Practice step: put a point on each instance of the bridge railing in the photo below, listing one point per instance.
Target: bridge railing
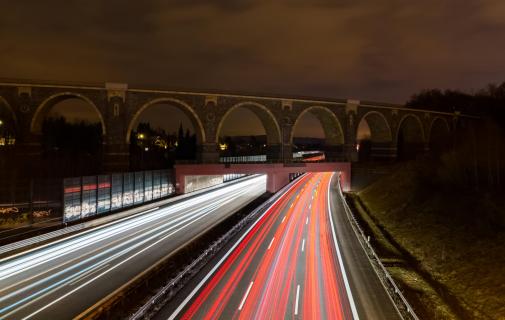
(270, 161)
(298, 157)
(244, 159)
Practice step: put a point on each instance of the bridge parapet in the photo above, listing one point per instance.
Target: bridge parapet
(277, 173)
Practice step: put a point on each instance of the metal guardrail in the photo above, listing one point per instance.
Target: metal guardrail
(169, 290)
(390, 285)
(39, 239)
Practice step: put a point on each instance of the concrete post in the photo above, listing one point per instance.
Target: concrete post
(286, 146)
(28, 147)
(351, 111)
(28, 152)
(276, 181)
(274, 152)
(334, 153)
(116, 157)
(208, 153)
(116, 149)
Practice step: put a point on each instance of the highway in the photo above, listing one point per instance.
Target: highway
(65, 278)
(300, 260)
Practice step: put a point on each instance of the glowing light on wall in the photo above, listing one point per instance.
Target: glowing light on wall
(87, 196)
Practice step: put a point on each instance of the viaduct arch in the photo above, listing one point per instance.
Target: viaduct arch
(381, 135)
(410, 137)
(119, 107)
(183, 106)
(332, 128)
(45, 107)
(8, 113)
(267, 119)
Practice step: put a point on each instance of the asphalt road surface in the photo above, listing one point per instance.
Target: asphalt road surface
(65, 278)
(299, 260)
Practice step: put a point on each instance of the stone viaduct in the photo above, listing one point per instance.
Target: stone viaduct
(25, 105)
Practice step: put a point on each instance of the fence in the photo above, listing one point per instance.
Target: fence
(26, 202)
(297, 156)
(232, 176)
(84, 197)
(244, 159)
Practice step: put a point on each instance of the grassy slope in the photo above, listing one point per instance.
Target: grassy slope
(445, 231)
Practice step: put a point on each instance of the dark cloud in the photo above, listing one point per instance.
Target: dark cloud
(369, 50)
(228, 5)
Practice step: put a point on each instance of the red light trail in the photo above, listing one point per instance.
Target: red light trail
(286, 266)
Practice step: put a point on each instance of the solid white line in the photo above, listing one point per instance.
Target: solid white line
(169, 206)
(271, 243)
(303, 245)
(43, 256)
(297, 299)
(107, 224)
(189, 218)
(283, 219)
(245, 296)
(114, 267)
(220, 262)
(87, 273)
(340, 261)
(132, 238)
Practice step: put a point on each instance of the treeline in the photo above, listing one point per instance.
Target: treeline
(476, 160)
(60, 136)
(243, 145)
(487, 102)
(152, 148)
(70, 149)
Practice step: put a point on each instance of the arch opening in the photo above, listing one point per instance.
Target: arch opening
(162, 133)
(71, 131)
(249, 130)
(317, 135)
(374, 137)
(410, 138)
(8, 125)
(440, 138)
(75, 106)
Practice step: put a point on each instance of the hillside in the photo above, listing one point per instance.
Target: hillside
(457, 237)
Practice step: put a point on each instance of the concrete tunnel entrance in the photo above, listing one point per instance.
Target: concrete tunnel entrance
(191, 177)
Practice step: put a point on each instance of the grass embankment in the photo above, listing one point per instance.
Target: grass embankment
(446, 247)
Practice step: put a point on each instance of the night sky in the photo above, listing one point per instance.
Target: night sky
(367, 50)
